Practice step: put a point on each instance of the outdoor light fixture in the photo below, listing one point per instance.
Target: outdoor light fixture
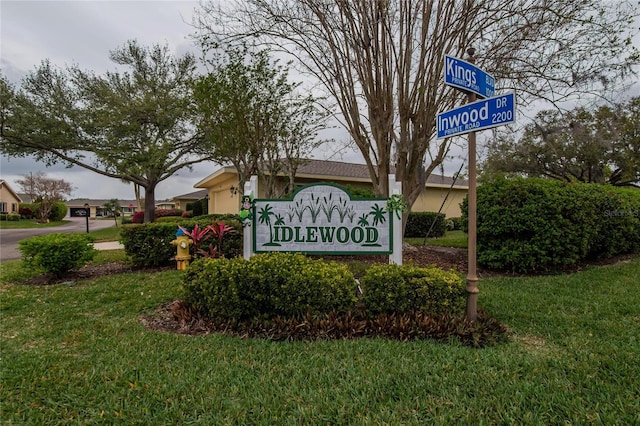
(87, 211)
(233, 190)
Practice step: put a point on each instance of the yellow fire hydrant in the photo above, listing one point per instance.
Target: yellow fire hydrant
(182, 242)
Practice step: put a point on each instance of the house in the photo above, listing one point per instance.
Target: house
(9, 199)
(96, 207)
(224, 193)
(181, 201)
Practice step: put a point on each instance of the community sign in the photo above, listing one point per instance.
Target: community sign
(322, 219)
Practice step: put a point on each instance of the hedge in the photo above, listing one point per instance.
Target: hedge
(150, 244)
(407, 288)
(267, 286)
(419, 223)
(542, 225)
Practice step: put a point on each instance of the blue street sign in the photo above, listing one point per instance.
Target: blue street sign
(484, 114)
(466, 76)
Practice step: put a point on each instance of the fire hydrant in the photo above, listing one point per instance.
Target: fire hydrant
(182, 242)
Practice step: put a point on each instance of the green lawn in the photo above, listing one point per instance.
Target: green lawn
(77, 353)
(106, 234)
(450, 239)
(29, 223)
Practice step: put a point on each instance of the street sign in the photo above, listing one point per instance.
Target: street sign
(466, 76)
(484, 114)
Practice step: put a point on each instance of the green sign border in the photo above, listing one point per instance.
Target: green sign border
(319, 252)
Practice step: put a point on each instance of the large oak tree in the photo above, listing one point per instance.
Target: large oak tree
(382, 60)
(599, 145)
(137, 124)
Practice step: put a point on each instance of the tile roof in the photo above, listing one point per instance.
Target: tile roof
(192, 195)
(353, 170)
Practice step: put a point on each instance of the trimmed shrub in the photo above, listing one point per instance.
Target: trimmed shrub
(11, 217)
(541, 225)
(57, 253)
(267, 286)
(399, 289)
(26, 211)
(138, 217)
(170, 219)
(458, 223)
(58, 211)
(149, 244)
(168, 212)
(419, 223)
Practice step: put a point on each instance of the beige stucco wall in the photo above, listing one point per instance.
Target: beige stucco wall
(431, 199)
(6, 196)
(221, 201)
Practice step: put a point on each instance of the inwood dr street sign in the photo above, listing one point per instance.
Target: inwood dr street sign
(484, 114)
(466, 76)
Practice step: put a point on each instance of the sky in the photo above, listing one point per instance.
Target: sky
(83, 33)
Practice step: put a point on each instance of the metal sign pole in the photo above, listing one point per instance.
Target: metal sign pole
(472, 277)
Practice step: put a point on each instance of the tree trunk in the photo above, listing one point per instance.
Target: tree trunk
(149, 204)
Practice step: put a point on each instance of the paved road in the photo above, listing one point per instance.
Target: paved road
(9, 237)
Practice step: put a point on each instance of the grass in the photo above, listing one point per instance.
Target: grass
(106, 234)
(79, 354)
(450, 239)
(29, 223)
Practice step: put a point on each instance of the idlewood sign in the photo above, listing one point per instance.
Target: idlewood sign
(323, 219)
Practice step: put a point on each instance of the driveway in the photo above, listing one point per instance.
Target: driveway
(9, 237)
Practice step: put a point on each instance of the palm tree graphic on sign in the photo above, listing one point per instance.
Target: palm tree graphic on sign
(378, 215)
(264, 216)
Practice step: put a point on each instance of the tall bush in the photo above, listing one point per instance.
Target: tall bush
(541, 225)
(58, 211)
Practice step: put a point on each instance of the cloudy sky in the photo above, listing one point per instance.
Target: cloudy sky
(83, 33)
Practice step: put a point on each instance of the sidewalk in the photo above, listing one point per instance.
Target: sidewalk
(108, 245)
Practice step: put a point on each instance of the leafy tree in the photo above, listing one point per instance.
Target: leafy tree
(255, 117)
(593, 146)
(137, 125)
(382, 61)
(44, 191)
(114, 208)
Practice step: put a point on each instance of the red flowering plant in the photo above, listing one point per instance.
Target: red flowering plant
(218, 231)
(200, 235)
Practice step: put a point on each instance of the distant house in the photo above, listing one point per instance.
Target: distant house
(182, 200)
(26, 198)
(9, 199)
(224, 193)
(97, 209)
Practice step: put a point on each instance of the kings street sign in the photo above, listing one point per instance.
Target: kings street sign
(484, 114)
(466, 76)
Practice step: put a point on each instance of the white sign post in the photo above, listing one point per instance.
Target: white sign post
(395, 188)
(251, 190)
